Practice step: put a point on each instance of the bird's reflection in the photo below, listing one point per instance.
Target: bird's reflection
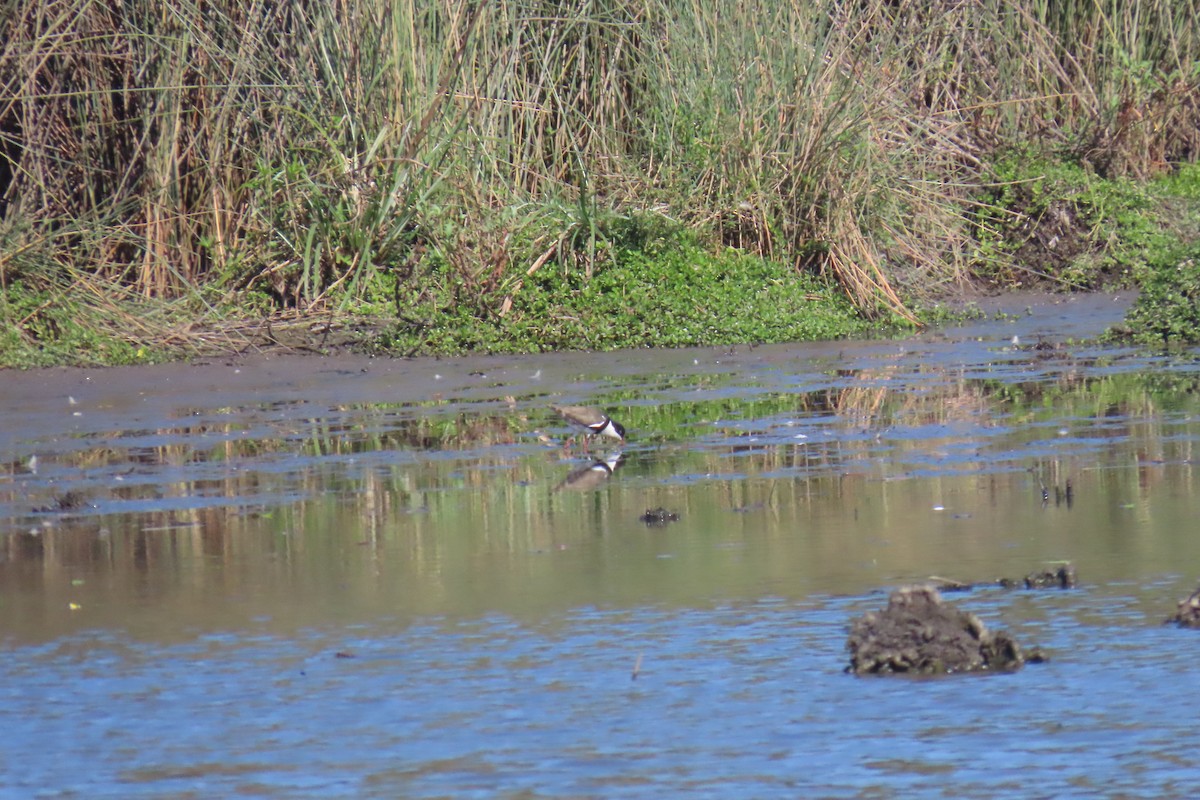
(591, 476)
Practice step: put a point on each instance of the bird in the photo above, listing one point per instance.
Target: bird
(592, 421)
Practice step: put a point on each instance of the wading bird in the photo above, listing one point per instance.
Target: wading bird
(592, 422)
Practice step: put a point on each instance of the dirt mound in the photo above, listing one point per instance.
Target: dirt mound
(1187, 615)
(920, 633)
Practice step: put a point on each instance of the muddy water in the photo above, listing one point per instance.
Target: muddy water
(295, 577)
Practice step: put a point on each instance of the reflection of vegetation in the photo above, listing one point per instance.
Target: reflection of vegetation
(776, 493)
(804, 434)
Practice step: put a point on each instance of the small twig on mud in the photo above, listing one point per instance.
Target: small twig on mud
(949, 583)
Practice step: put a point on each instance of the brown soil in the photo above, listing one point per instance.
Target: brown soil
(1187, 615)
(920, 633)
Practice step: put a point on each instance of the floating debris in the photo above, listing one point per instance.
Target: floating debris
(1035, 655)
(70, 501)
(658, 517)
(950, 584)
(1066, 495)
(1062, 578)
(921, 634)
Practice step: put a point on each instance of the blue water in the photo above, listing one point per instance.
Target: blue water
(742, 700)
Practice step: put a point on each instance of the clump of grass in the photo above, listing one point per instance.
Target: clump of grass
(42, 327)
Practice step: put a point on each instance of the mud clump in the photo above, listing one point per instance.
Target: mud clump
(1187, 615)
(1054, 236)
(65, 503)
(1062, 578)
(919, 633)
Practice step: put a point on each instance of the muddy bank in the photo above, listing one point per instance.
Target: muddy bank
(292, 374)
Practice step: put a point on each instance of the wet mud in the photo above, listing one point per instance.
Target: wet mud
(920, 633)
(1187, 614)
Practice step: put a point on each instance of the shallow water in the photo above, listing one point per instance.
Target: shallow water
(299, 577)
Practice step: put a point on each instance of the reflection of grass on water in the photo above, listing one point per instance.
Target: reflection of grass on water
(448, 517)
(403, 479)
(867, 404)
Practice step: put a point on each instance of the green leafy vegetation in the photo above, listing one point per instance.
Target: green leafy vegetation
(682, 296)
(1167, 311)
(45, 329)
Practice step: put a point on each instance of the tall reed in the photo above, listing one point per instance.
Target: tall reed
(306, 149)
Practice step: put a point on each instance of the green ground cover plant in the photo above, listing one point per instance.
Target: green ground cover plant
(1166, 313)
(453, 175)
(683, 296)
